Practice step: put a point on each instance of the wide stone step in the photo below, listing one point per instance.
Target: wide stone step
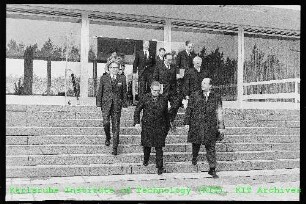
(32, 118)
(135, 139)
(134, 131)
(129, 123)
(138, 168)
(87, 159)
(125, 149)
(229, 111)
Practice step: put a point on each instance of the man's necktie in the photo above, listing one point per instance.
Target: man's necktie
(206, 96)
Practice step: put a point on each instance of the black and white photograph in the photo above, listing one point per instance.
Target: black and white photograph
(152, 102)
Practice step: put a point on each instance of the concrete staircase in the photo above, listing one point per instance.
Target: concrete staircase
(51, 140)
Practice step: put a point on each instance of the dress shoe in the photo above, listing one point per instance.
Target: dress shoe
(213, 173)
(145, 163)
(161, 171)
(114, 152)
(194, 161)
(107, 142)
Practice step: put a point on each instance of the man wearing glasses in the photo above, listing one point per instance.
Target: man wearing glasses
(111, 97)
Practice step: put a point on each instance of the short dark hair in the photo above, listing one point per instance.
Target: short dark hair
(160, 49)
(168, 53)
(187, 42)
(155, 83)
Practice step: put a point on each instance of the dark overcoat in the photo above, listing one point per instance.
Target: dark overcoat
(201, 116)
(192, 81)
(155, 120)
(142, 64)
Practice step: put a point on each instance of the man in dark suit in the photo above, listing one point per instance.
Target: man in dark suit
(184, 62)
(165, 74)
(154, 124)
(204, 120)
(160, 56)
(144, 64)
(111, 97)
(193, 78)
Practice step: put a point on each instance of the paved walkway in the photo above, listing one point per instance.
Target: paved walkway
(267, 185)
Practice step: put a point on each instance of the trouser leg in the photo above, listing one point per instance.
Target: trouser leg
(211, 155)
(175, 102)
(159, 157)
(148, 80)
(115, 128)
(146, 152)
(195, 150)
(106, 124)
(180, 84)
(142, 88)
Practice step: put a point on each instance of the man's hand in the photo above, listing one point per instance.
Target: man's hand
(187, 127)
(179, 76)
(137, 126)
(135, 76)
(185, 103)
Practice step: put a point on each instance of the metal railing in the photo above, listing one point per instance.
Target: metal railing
(295, 95)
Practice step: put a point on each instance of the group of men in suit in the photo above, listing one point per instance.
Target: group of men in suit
(169, 82)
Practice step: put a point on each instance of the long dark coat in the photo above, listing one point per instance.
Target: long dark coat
(201, 116)
(155, 120)
(192, 81)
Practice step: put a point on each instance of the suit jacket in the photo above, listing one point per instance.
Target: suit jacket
(192, 81)
(142, 64)
(167, 77)
(158, 61)
(183, 61)
(112, 93)
(201, 116)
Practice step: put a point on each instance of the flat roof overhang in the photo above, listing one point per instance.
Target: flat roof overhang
(143, 21)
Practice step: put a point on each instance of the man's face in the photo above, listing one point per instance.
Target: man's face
(114, 54)
(197, 63)
(146, 45)
(168, 59)
(162, 53)
(114, 69)
(155, 90)
(189, 47)
(206, 84)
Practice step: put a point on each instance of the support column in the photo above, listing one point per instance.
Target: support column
(167, 35)
(240, 66)
(84, 55)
